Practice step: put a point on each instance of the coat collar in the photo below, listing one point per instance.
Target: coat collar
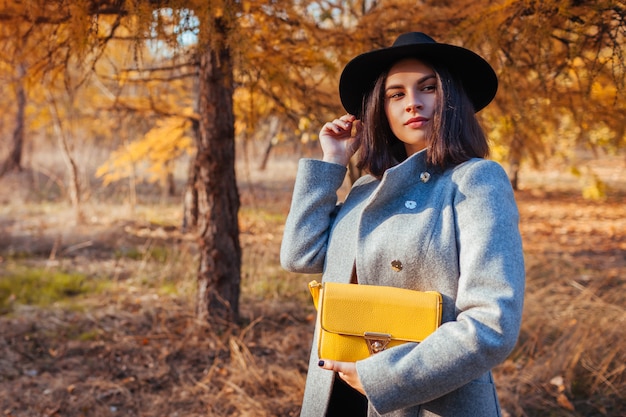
(408, 171)
(398, 179)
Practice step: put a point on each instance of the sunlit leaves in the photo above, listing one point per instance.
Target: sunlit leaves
(560, 63)
(151, 156)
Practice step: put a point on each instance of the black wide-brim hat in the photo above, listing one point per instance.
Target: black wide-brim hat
(477, 76)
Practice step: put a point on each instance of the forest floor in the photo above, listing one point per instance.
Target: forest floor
(98, 319)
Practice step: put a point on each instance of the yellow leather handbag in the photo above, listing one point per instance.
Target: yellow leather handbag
(356, 321)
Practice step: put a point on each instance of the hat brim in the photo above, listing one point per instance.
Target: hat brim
(477, 76)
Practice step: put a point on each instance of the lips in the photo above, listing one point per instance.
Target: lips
(416, 121)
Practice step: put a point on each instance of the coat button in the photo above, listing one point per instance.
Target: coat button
(410, 204)
(424, 176)
(396, 265)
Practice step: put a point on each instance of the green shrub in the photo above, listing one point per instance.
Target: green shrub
(39, 286)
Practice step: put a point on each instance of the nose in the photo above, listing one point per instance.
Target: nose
(413, 107)
(413, 103)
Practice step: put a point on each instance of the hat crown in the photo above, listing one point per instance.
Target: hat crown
(413, 38)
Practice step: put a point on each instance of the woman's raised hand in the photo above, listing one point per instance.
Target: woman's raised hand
(338, 143)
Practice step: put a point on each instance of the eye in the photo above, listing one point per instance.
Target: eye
(394, 95)
(429, 87)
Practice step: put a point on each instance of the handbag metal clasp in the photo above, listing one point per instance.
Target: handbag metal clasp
(376, 342)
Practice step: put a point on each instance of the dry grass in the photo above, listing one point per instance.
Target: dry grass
(571, 354)
(133, 347)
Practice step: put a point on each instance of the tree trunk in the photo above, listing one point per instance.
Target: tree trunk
(14, 159)
(190, 198)
(74, 185)
(218, 197)
(271, 134)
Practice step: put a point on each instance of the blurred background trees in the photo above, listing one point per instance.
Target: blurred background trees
(126, 89)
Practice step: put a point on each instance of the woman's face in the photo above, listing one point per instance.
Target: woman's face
(410, 97)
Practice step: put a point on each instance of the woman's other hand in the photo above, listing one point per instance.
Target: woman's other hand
(346, 371)
(338, 144)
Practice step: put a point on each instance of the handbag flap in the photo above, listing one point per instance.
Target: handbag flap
(356, 309)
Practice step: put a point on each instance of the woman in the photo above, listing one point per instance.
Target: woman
(431, 214)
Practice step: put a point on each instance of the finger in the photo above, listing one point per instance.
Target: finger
(326, 364)
(335, 366)
(345, 124)
(332, 126)
(332, 366)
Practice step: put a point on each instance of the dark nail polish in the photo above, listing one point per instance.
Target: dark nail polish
(320, 363)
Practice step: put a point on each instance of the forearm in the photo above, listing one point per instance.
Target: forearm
(313, 205)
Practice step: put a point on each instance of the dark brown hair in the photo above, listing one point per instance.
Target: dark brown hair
(455, 135)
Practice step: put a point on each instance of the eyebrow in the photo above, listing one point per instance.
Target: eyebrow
(420, 81)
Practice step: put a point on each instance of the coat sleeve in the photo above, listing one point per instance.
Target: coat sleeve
(313, 208)
(488, 304)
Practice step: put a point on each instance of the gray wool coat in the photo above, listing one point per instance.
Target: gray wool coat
(455, 232)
